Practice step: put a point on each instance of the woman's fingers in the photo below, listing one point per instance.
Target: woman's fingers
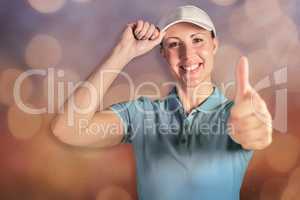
(149, 32)
(139, 27)
(145, 30)
(155, 34)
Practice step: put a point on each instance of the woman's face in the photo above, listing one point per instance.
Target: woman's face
(189, 51)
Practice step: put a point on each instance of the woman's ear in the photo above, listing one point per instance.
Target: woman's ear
(215, 45)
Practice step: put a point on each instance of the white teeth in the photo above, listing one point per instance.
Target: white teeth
(191, 67)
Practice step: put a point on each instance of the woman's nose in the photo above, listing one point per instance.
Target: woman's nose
(187, 52)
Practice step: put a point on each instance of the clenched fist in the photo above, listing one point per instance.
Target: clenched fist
(250, 120)
(140, 37)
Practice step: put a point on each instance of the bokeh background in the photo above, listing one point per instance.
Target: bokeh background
(71, 37)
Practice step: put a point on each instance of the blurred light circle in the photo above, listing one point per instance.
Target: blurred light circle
(244, 31)
(56, 87)
(8, 79)
(226, 60)
(262, 12)
(292, 191)
(47, 6)
(148, 89)
(293, 79)
(155, 77)
(261, 65)
(153, 69)
(272, 189)
(117, 93)
(224, 2)
(238, 26)
(151, 84)
(283, 153)
(257, 159)
(291, 57)
(113, 193)
(295, 177)
(296, 100)
(70, 175)
(67, 176)
(291, 194)
(283, 38)
(23, 125)
(43, 51)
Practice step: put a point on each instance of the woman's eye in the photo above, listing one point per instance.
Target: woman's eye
(173, 44)
(197, 40)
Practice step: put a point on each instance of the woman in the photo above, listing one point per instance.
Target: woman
(193, 144)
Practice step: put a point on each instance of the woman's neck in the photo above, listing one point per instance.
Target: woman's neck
(192, 97)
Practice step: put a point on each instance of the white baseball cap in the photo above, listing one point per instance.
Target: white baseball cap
(188, 13)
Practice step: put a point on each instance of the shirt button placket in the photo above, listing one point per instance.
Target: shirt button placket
(186, 131)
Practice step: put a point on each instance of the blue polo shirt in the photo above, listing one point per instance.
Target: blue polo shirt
(183, 155)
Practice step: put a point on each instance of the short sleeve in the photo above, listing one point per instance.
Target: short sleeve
(129, 112)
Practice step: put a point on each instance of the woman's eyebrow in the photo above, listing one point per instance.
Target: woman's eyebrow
(169, 38)
(192, 35)
(198, 33)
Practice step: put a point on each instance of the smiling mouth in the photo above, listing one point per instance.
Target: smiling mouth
(191, 68)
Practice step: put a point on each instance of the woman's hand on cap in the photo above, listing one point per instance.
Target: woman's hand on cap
(144, 30)
(139, 38)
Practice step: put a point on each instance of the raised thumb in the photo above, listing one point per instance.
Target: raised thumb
(242, 78)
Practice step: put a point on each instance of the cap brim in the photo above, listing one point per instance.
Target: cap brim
(204, 26)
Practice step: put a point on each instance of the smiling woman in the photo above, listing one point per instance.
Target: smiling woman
(189, 51)
(181, 146)
(194, 138)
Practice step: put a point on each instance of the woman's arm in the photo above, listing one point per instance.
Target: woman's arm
(79, 128)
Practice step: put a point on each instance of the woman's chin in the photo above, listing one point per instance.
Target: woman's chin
(194, 83)
(190, 83)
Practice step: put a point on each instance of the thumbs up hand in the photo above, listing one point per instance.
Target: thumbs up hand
(250, 120)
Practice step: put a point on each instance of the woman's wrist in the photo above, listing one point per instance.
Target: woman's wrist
(122, 53)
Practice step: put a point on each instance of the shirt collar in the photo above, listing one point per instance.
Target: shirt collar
(211, 103)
